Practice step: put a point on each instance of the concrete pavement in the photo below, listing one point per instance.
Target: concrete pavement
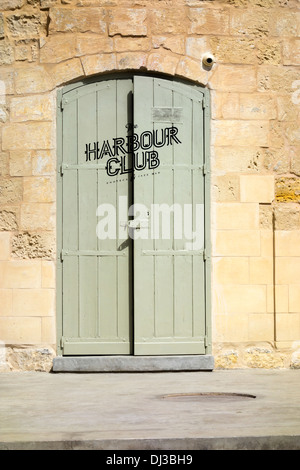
(165, 410)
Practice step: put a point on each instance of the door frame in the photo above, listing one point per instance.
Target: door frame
(207, 196)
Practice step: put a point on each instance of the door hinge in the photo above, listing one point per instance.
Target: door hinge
(63, 102)
(61, 170)
(205, 169)
(203, 103)
(61, 342)
(61, 256)
(206, 256)
(206, 341)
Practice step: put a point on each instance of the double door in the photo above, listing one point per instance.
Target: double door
(132, 217)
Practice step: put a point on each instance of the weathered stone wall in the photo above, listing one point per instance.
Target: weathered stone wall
(255, 147)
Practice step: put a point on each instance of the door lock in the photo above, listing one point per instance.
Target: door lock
(136, 224)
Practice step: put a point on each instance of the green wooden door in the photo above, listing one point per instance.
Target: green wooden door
(95, 273)
(143, 291)
(169, 284)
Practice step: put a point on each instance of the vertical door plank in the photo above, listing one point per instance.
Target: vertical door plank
(69, 131)
(107, 194)
(199, 321)
(183, 293)
(70, 287)
(70, 297)
(144, 282)
(198, 199)
(124, 190)
(70, 274)
(164, 195)
(164, 296)
(183, 188)
(87, 205)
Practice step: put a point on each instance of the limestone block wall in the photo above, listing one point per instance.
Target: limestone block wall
(255, 154)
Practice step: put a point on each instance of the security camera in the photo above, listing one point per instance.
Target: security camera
(208, 60)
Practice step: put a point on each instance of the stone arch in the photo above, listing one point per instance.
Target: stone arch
(86, 66)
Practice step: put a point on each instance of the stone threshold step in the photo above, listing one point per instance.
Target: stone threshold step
(132, 363)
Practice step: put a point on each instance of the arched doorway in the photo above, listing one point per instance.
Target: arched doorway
(133, 200)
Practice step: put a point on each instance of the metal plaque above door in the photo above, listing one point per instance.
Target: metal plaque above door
(133, 211)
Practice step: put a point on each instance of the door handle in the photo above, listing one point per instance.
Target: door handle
(136, 224)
